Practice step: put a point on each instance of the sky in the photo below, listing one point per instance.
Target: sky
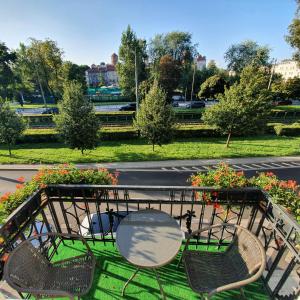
(89, 31)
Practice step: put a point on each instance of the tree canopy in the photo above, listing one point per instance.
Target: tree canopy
(12, 125)
(293, 38)
(7, 58)
(131, 46)
(155, 118)
(77, 122)
(245, 106)
(168, 74)
(240, 55)
(212, 86)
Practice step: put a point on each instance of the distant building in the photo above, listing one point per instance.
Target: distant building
(288, 68)
(114, 59)
(201, 62)
(105, 73)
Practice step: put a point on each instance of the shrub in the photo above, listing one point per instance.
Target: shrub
(63, 174)
(283, 192)
(77, 122)
(287, 130)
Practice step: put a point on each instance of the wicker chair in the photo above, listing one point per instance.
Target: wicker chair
(27, 269)
(243, 262)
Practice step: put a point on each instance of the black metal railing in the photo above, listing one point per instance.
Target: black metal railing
(95, 212)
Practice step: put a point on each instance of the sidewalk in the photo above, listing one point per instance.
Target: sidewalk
(160, 164)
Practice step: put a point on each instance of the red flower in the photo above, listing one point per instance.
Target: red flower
(215, 194)
(19, 186)
(21, 179)
(269, 174)
(204, 196)
(241, 173)
(217, 205)
(5, 197)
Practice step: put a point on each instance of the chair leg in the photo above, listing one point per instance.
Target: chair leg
(243, 294)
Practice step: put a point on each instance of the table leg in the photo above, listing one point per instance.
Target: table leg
(125, 285)
(160, 286)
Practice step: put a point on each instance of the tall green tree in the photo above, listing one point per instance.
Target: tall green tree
(293, 37)
(23, 69)
(168, 74)
(177, 44)
(240, 55)
(245, 106)
(12, 125)
(7, 58)
(77, 122)
(155, 118)
(131, 47)
(45, 58)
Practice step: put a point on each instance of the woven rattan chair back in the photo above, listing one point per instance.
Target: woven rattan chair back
(245, 254)
(28, 267)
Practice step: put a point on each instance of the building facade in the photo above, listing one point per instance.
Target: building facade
(104, 74)
(288, 68)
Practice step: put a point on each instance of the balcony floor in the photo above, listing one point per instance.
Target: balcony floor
(113, 271)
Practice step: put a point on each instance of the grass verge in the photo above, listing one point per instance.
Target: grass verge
(139, 150)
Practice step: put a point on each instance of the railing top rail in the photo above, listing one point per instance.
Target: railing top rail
(148, 187)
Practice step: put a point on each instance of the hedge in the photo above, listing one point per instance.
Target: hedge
(287, 130)
(128, 133)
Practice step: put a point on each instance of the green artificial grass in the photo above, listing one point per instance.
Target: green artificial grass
(113, 271)
(140, 150)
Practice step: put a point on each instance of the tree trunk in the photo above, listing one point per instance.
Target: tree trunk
(228, 139)
(82, 151)
(9, 150)
(152, 147)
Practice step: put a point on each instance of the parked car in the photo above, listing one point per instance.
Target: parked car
(175, 103)
(50, 111)
(128, 107)
(196, 104)
(283, 102)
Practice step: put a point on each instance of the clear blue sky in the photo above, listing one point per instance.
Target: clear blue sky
(90, 30)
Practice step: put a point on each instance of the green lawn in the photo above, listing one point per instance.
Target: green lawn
(113, 271)
(287, 107)
(139, 150)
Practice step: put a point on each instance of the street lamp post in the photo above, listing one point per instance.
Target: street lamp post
(136, 81)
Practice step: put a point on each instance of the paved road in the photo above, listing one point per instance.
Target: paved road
(163, 175)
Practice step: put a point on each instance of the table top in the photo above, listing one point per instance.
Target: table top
(149, 238)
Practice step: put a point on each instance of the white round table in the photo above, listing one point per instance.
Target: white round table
(148, 239)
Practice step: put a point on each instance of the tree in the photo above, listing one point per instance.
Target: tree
(248, 52)
(45, 58)
(71, 72)
(292, 88)
(24, 72)
(245, 106)
(294, 34)
(212, 86)
(77, 122)
(130, 47)
(7, 58)
(12, 125)
(155, 118)
(168, 74)
(177, 44)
